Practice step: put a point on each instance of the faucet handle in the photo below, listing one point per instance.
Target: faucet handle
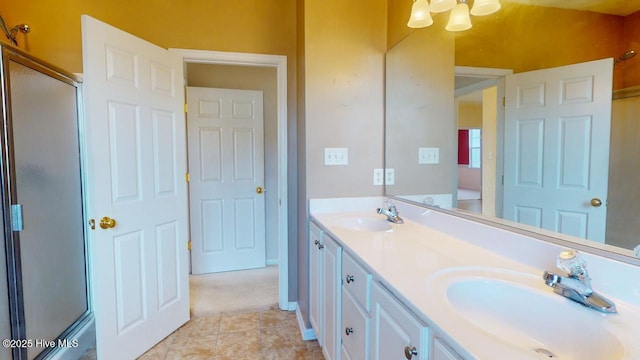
(571, 262)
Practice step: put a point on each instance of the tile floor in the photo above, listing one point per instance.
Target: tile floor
(257, 335)
(269, 334)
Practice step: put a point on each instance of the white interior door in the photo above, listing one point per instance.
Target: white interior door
(557, 126)
(135, 134)
(226, 168)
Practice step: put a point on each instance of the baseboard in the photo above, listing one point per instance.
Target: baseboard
(307, 333)
(86, 336)
(272, 262)
(293, 306)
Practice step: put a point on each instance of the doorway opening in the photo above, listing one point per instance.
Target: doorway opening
(278, 217)
(480, 118)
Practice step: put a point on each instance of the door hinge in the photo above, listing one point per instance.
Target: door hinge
(185, 108)
(189, 245)
(16, 217)
(504, 101)
(186, 177)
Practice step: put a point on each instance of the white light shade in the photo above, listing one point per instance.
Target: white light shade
(420, 15)
(442, 5)
(459, 19)
(485, 7)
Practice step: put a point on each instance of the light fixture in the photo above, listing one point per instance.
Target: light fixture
(420, 14)
(484, 7)
(438, 6)
(459, 18)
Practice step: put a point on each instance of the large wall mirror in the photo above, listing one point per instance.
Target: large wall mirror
(529, 119)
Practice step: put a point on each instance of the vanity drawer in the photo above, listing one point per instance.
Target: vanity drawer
(357, 280)
(355, 327)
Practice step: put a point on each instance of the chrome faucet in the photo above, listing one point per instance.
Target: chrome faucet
(577, 285)
(391, 213)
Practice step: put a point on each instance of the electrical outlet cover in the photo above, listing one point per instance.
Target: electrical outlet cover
(378, 177)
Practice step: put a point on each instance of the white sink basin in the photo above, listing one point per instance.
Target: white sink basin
(371, 223)
(517, 314)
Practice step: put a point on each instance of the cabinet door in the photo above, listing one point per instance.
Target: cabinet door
(396, 333)
(355, 327)
(316, 297)
(357, 280)
(442, 352)
(332, 297)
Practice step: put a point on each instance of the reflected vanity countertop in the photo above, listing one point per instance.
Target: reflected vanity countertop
(436, 263)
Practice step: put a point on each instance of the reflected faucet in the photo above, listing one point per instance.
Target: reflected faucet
(391, 214)
(577, 285)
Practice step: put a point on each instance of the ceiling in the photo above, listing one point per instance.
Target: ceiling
(613, 7)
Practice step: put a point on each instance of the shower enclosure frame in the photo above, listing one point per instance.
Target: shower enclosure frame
(8, 195)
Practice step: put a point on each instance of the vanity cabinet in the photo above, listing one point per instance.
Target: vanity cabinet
(355, 316)
(356, 319)
(316, 298)
(325, 260)
(396, 333)
(441, 351)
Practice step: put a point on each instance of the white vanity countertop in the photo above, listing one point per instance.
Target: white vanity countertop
(411, 256)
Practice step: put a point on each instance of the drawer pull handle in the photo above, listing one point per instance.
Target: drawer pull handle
(410, 352)
(350, 279)
(348, 331)
(320, 247)
(316, 242)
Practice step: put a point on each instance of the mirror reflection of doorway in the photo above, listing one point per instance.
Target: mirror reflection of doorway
(469, 164)
(479, 95)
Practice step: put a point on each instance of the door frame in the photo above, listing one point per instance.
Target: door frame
(280, 63)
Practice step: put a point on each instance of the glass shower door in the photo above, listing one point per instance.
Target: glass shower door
(46, 182)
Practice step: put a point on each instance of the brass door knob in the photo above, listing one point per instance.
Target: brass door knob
(595, 202)
(107, 223)
(259, 190)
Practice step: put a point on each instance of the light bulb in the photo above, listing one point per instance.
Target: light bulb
(420, 15)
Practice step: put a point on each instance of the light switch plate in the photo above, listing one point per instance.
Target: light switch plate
(336, 156)
(389, 176)
(378, 176)
(428, 155)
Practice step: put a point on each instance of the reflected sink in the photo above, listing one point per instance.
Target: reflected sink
(523, 317)
(364, 223)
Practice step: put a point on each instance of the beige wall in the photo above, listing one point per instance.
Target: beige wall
(631, 67)
(469, 115)
(340, 102)
(251, 78)
(524, 37)
(559, 37)
(623, 205)
(469, 178)
(420, 112)
(256, 26)
(251, 26)
(344, 69)
(489, 150)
